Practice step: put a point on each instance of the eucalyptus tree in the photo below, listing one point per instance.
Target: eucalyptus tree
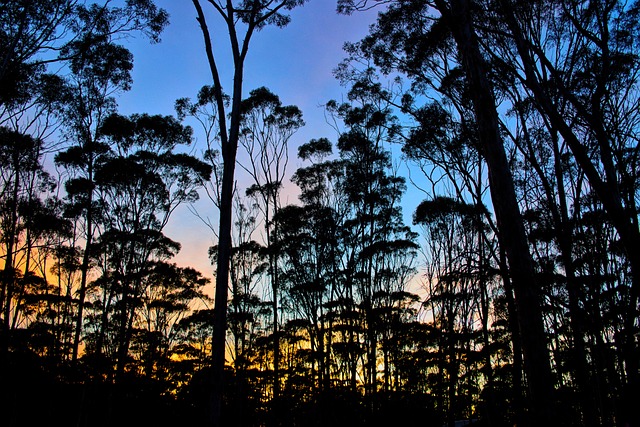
(414, 38)
(248, 267)
(192, 349)
(27, 200)
(582, 72)
(267, 127)
(573, 68)
(27, 30)
(43, 229)
(379, 249)
(242, 19)
(97, 75)
(601, 269)
(26, 125)
(309, 249)
(141, 182)
(204, 110)
(248, 314)
(302, 285)
(36, 34)
(454, 279)
(170, 295)
(552, 190)
(247, 262)
(27, 193)
(67, 33)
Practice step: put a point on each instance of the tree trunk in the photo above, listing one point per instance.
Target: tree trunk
(222, 281)
(508, 217)
(229, 145)
(606, 189)
(82, 293)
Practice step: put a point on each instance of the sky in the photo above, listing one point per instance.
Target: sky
(295, 62)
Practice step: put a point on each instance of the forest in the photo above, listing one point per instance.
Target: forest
(511, 299)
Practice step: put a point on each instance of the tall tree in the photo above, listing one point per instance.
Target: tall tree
(455, 20)
(242, 19)
(378, 248)
(141, 183)
(454, 284)
(99, 74)
(23, 186)
(310, 249)
(170, 294)
(267, 127)
(78, 37)
(589, 96)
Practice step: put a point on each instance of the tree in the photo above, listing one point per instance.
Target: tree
(241, 19)
(28, 215)
(378, 250)
(267, 127)
(551, 186)
(141, 182)
(456, 21)
(310, 249)
(588, 96)
(456, 280)
(97, 75)
(25, 126)
(512, 233)
(168, 298)
(79, 38)
(36, 33)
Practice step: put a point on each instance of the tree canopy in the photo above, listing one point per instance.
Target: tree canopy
(507, 295)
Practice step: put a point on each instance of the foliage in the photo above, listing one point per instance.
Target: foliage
(338, 312)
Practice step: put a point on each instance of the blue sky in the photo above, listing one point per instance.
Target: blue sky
(295, 62)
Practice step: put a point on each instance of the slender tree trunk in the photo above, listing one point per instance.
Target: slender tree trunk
(222, 280)
(564, 236)
(229, 145)
(84, 270)
(9, 273)
(275, 287)
(606, 189)
(485, 300)
(104, 319)
(508, 217)
(516, 341)
(23, 282)
(452, 365)
(565, 240)
(254, 15)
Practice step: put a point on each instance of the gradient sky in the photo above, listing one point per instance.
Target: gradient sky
(295, 62)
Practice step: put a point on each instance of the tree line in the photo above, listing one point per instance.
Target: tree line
(512, 298)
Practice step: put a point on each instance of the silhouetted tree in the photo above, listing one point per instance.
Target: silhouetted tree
(266, 129)
(36, 33)
(141, 182)
(377, 248)
(241, 19)
(585, 95)
(170, 294)
(97, 75)
(401, 29)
